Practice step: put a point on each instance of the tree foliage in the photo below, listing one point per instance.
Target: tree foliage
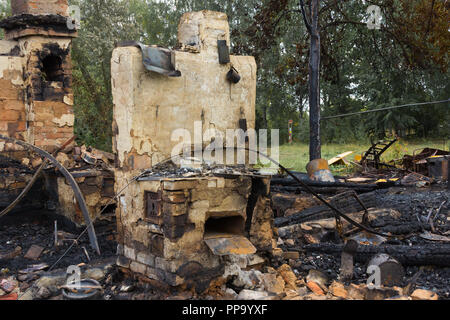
(361, 68)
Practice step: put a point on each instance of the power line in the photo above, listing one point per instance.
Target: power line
(383, 109)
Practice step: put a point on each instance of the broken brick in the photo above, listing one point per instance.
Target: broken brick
(356, 292)
(288, 276)
(291, 255)
(421, 294)
(34, 252)
(8, 285)
(315, 288)
(337, 289)
(12, 296)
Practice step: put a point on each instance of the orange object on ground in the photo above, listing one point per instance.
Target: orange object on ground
(11, 296)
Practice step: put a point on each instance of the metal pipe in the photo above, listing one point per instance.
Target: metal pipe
(448, 172)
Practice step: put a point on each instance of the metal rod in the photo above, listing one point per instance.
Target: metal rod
(448, 172)
(383, 109)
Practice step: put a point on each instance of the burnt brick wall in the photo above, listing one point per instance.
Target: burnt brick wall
(12, 106)
(50, 95)
(12, 111)
(36, 99)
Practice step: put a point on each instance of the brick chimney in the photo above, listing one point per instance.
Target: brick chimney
(38, 17)
(42, 36)
(39, 7)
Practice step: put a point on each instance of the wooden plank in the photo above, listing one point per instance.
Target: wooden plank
(339, 159)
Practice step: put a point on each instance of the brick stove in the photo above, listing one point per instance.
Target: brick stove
(178, 228)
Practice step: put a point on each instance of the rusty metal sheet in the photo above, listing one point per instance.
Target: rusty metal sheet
(365, 238)
(225, 244)
(153, 204)
(156, 59)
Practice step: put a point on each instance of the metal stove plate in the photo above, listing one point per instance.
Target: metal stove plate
(226, 244)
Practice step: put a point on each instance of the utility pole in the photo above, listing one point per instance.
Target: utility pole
(314, 84)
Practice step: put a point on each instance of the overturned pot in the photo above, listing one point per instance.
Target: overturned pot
(389, 270)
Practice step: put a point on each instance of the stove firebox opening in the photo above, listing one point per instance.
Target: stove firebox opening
(229, 225)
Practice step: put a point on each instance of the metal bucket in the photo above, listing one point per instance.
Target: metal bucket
(233, 76)
(318, 170)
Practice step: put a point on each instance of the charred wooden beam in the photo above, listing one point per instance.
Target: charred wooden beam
(348, 206)
(291, 182)
(421, 255)
(320, 190)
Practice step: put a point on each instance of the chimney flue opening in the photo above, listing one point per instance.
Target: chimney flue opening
(52, 68)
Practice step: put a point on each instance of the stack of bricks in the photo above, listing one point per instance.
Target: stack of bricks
(39, 7)
(48, 130)
(98, 190)
(174, 245)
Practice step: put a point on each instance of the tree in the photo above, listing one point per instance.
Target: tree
(361, 68)
(5, 10)
(103, 24)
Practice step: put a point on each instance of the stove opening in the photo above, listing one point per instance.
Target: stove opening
(224, 226)
(52, 68)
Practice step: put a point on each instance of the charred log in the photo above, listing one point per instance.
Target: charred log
(320, 190)
(347, 206)
(292, 183)
(421, 255)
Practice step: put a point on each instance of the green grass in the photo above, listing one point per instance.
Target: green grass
(296, 156)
